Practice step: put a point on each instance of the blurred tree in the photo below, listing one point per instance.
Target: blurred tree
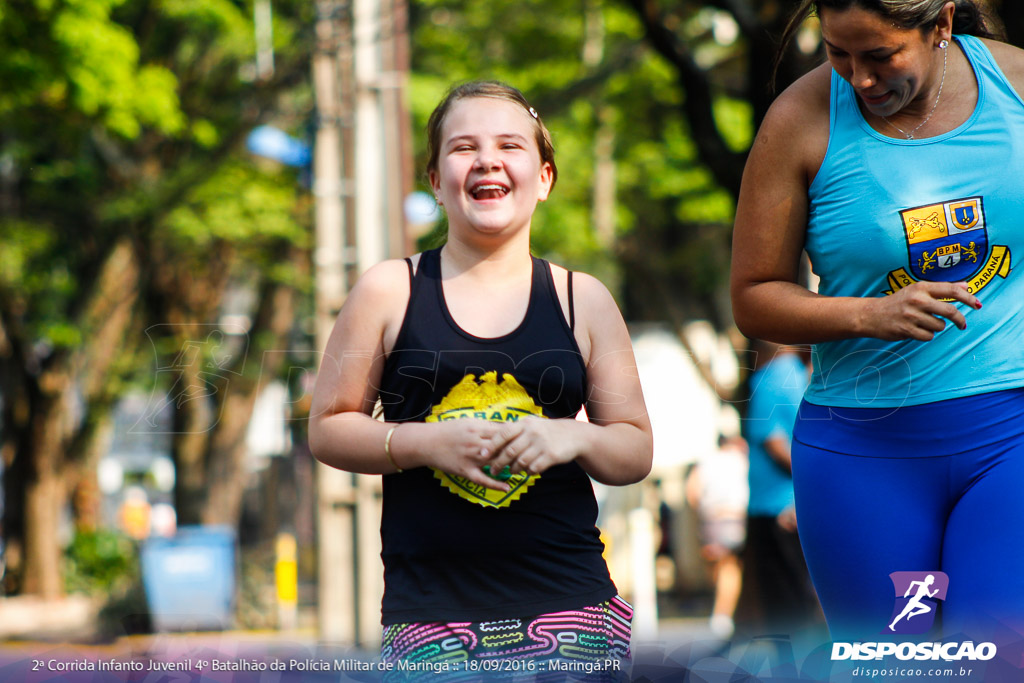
(720, 55)
(228, 266)
(126, 209)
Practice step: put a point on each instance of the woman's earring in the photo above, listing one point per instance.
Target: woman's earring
(943, 43)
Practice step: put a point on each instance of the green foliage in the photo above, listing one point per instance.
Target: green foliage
(24, 252)
(105, 564)
(736, 122)
(458, 39)
(101, 563)
(34, 277)
(239, 203)
(72, 56)
(122, 117)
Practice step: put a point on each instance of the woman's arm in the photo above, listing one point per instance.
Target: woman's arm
(616, 446)
(342, 433)
(769, 233)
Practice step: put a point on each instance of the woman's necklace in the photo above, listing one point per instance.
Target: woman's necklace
(910, 135)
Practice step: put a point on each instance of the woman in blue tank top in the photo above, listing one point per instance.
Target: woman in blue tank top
(481, 356)
(896, 165)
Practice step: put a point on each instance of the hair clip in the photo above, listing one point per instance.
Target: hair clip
(533, 112)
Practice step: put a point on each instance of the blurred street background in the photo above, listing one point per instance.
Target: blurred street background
(189, 188)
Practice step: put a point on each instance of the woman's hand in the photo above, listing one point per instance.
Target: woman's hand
(917, 311)
(533, 444)
(458, 447)
(787, 519)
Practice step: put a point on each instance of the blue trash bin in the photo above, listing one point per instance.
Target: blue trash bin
(190, 579)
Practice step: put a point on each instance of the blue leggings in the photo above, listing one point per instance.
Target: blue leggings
(931, 487)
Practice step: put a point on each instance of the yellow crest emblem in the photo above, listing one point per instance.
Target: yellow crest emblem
(948, 242)
(486, 399)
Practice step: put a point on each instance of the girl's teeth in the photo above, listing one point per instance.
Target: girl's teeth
(490, 190)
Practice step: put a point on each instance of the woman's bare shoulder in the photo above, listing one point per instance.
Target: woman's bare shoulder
(804, 103)
(1010, 60)
(793, 137)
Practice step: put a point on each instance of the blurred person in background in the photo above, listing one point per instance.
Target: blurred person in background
(716, 488)
(777, 595)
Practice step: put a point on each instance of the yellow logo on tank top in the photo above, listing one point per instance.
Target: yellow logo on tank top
(486, 399)
(948, 242)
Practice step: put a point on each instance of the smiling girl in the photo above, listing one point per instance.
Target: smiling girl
(482, 355)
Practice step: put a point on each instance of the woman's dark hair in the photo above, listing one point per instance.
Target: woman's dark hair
(495, 90)
(968, 18)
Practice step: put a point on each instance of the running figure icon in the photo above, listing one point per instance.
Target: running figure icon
(915, 607)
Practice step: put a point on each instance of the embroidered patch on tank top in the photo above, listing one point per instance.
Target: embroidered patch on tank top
(948, 242)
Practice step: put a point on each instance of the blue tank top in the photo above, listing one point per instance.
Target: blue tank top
(452, 550)
(886, 212)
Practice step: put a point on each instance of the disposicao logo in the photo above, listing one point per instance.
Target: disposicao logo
(917, 596)
(917, 600)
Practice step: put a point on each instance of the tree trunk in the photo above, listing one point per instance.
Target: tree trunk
(48, 447)
(226, 461)
(14, 438)
(45, 497)
(190, 442)
(213, 409)
(83, 480)
(603, 207)
(226, 478)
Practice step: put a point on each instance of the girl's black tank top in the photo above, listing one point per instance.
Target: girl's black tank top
(454, 551)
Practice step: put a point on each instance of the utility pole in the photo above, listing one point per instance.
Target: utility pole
(362, 172)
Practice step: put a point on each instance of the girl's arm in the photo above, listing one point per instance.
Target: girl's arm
(616, 446)
(769, 233)
(342, 433)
